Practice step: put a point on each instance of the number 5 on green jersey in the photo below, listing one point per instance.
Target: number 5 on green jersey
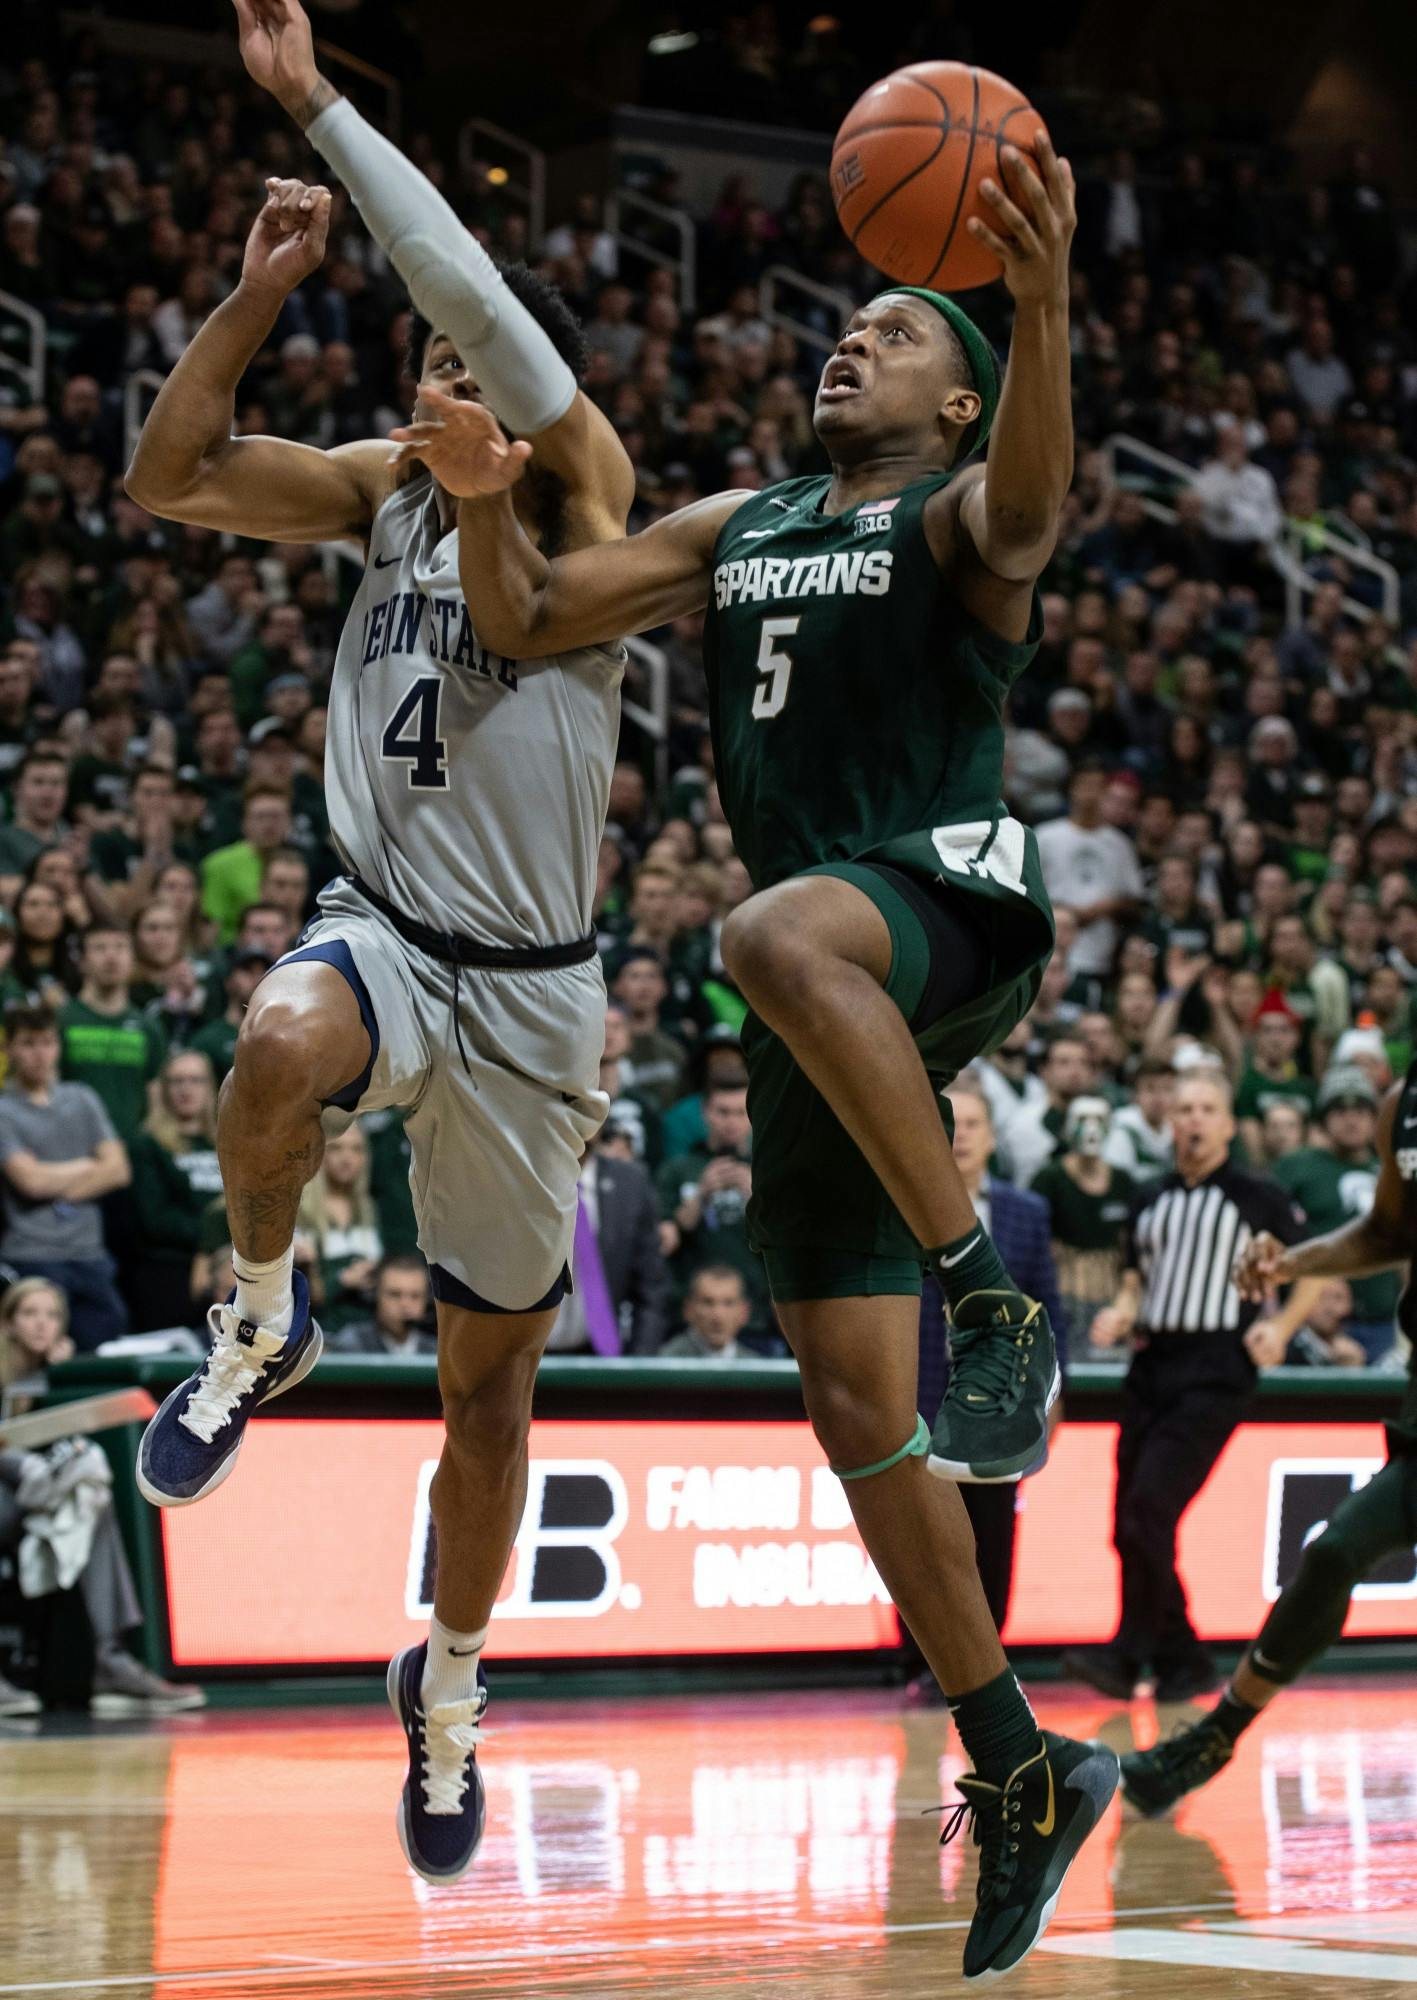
(770, 696)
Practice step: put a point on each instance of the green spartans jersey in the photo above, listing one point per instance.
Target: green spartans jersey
(857, 707)
(1332, 1192)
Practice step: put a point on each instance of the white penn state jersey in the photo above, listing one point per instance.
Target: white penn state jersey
(469, 790)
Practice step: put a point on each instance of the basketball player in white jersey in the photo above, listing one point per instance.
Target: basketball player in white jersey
(451, 972)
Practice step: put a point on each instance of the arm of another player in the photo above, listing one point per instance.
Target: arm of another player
(450, 277)
(1374, 1242)
(524, 605)
(188, 466)
(1010, 515)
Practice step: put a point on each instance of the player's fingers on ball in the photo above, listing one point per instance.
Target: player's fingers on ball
(1020, 168)
(1012, 217)
(982, 233)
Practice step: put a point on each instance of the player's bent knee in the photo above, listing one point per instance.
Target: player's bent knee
(762, 951)
(293, 1048)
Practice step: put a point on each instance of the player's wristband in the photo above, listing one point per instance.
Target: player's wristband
(450, 277)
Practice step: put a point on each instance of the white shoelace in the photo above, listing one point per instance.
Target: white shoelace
(450, 1735)
(230, 1370)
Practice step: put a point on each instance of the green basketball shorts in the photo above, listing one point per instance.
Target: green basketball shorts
(825, 1226)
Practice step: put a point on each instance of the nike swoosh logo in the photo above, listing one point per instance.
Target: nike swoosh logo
(464, 1652)
(757, 534)
(1261, 1662)
(1043, 1827)
(948, 1263)
(384, 562)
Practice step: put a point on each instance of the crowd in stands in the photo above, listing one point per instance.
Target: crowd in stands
(1226, 801)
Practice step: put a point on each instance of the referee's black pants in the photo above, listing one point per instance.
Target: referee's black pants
(1182, 1398)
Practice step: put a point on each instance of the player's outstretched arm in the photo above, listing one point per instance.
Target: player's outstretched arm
(525, 605)
(1011, 514)
(188, 466)
(1373, 1242)
(450, 278)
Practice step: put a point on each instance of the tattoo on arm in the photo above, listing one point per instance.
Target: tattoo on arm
(323, 95)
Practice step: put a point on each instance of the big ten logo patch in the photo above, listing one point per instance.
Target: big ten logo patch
(1303, 1495)
(563, 1562)
(875, 517)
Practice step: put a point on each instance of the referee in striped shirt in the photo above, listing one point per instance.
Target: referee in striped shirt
(1197, 1347)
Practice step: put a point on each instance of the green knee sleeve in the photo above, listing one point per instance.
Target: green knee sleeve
(918, 1445)
(1308, 1616)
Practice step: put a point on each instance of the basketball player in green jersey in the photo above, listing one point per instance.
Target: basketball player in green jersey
(863, 632)
(1375, 1524)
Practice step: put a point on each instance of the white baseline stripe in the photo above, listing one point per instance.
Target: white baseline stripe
(1227, 1952)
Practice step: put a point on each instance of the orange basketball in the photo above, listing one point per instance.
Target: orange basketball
(907, 164)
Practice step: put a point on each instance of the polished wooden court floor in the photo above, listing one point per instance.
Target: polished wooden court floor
(772, 1845)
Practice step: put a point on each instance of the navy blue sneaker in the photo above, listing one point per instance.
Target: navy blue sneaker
(190, 1446)
(443, 1806)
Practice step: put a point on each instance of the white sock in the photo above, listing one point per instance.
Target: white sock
(450, 1670)
(264, 1292)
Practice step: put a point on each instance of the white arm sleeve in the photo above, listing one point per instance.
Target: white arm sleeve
(450, 277)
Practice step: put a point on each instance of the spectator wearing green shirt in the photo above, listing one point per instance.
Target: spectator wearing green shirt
(176, 1178)
(1388, 1003)
(285, 881)
(717, 1059)
(217, 1041)
(1271, 1070)
(36, 816)
(1360, 933)
(101, 775)
(1307, 849)
(127, 857)
(1176, 916)
(703, 1200)
(1336, 1184)
(231, 877)
(278, 649)
(108, 1042)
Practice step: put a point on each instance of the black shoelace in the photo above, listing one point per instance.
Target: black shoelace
(995, 1824)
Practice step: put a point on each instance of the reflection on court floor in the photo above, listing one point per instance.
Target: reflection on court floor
(779, 1843)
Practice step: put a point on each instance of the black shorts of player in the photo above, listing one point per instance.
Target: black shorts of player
(824, 1224)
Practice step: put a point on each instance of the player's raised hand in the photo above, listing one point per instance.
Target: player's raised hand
(278, 49)
(462, 445)
(1032, 241)
(1259, 1268)
(288, 237)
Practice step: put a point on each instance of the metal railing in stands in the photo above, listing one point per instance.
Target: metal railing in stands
(653, 719)
(530, 190)
(684, 265)
(651, 715)
(30, 372)
(138, 391)
(339, 58)
(782, 278)
(1287, 552)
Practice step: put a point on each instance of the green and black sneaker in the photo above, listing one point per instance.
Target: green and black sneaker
(1153, 1780)
(993, 1423)
(1028, 1832)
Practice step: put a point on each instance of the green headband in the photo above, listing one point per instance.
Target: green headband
(977, 352)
